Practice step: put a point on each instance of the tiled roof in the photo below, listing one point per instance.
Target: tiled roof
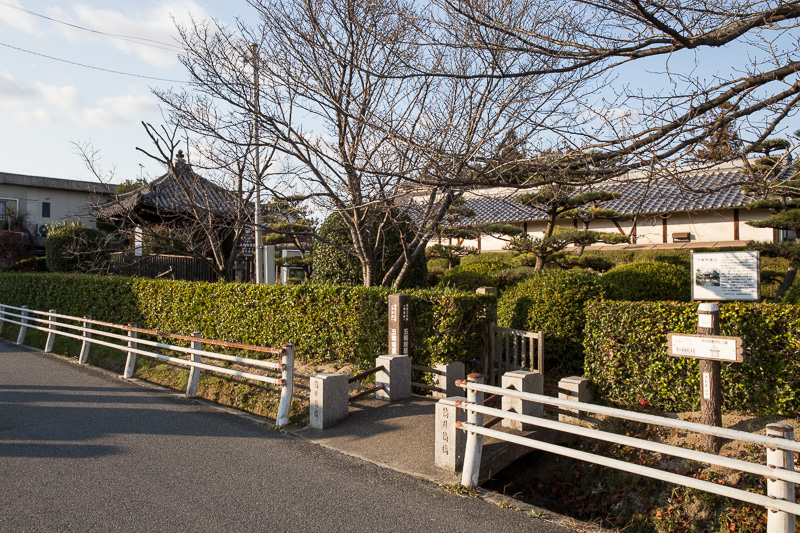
(173, 194)
(720, 190)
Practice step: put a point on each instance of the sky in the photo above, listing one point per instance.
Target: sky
(81, 73)
(47, 106)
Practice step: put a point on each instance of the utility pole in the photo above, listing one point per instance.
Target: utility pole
(259, 239)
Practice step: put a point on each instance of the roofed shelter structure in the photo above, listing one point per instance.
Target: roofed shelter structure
(182, 213)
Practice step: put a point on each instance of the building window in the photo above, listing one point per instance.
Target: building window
(45, 209)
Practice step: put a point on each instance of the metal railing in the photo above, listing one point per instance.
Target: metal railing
(56, 324)
(361, 376)
(512, 349)
(779, 470)
(428, 370)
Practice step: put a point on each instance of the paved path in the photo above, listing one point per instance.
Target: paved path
(81, 450)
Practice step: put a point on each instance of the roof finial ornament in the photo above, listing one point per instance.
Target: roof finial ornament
(179, 158)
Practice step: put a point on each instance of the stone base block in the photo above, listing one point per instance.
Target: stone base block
(328, 403)
(396, 378)
(522, 381)
(449, 441)
(452, 372)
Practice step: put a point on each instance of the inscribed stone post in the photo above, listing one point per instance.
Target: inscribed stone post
(400, 324)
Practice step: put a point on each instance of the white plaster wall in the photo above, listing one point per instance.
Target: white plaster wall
(749, 233)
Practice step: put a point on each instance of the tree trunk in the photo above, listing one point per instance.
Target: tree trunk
(788, 279)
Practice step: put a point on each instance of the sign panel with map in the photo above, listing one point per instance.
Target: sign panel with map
(720, 276)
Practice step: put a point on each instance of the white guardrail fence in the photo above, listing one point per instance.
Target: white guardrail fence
(55, 324)
(779, 442)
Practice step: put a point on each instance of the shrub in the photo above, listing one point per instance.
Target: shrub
(347, 324)
(488, 257)
(438, 263)
(509, 276)
(647, 281)
(335, 267)
(13, 247)
(33, 264)
(627, 361)
(465, 280)
(75, 248)
(552, 301)
(792, 296)
(485, 267)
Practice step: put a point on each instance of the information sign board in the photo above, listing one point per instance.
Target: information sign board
(726, 276)
(712, 347)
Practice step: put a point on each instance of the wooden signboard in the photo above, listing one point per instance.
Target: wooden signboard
(711, 347)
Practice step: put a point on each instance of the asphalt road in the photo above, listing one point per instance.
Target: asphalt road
(81, 450)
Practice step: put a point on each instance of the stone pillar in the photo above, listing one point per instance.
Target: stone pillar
(396, 378)
(452, 372)
(522, 381)
(400, 324)
(449, 440)
(328, 402)
(487, 290)
(578, 388)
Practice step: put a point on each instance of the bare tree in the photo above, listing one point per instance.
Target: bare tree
(354, 135)
(649, 81)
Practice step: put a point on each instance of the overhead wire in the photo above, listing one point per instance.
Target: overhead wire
(128, 38)
(90, 66)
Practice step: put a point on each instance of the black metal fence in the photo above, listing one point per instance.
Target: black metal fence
(176, 267)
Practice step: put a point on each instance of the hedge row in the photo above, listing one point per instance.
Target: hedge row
(348, 324)
(627, 362)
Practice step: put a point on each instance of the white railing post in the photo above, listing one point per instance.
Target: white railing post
(474, 446)
(194, 372)
(287, 385)
(51, 334)
(23, 329)
(2, 316)
(778, 521)
(130, 363)
(83, 358)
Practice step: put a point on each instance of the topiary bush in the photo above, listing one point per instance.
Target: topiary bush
(647, 281)
(75, 248)
(552, 301)
(13, 248)
(332, 266)
(505, 278)
(465, 280)
(488, 257)
(484, 267)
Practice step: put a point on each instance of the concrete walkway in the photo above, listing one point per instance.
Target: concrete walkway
(397, 435)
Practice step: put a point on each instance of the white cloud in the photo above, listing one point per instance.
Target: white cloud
(153, 23)
(37, 116)
(65, 96)
(13, 16)
(10, 88)
(121, 110)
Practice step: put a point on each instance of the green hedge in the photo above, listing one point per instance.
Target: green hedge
(552, 301)
(648, 281)
(324, 322)
(627, 362)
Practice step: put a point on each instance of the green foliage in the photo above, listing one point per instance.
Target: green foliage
(627, 361)
(465, 280)
(326, 323)
(648, 281)
(484, 257)
(552, 301)
(33, 264)
(485, 267)
(505, 278)
(72, 247)
(336, 267)
(13, 247)
(130, 185)
(793, 294)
